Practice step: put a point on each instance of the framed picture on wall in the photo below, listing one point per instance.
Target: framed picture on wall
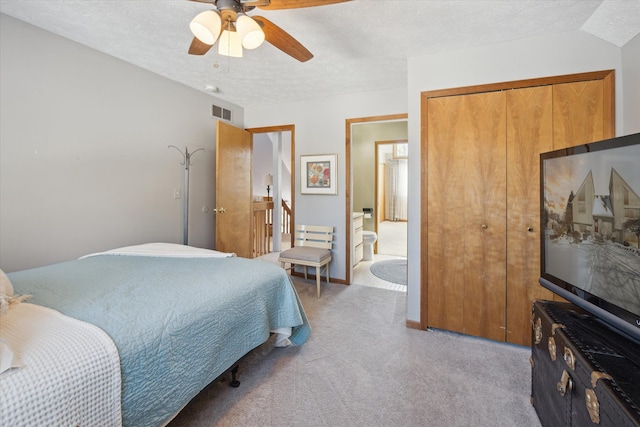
(318, 174)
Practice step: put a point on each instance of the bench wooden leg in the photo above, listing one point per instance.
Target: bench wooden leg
(327, 274)
(318, 278)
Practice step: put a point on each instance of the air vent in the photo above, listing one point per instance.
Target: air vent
(220, 112)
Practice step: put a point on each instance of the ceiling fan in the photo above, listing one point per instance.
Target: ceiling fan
(233, 29)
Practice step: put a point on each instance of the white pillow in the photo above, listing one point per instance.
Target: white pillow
(6, 293)
(6, 288)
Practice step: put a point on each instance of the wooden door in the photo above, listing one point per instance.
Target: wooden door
(381, 194)
(466, 201)
(582, 110)
(485, 227)
(233, 190)
(445, 219)
(529, 133)
(579, 117)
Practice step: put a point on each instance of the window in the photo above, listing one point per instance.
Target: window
(632, 213)
(400, 150)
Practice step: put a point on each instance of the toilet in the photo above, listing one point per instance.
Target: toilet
(368, 239)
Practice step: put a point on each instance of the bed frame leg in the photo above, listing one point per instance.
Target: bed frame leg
(234, 379)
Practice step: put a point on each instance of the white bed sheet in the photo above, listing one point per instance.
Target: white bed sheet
(70, 372)
(160, 249)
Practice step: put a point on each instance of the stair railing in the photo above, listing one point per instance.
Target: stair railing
(286, 225)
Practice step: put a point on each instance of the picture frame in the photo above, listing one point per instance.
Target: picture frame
(319, 174)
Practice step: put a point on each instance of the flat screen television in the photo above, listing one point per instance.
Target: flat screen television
(590, 229)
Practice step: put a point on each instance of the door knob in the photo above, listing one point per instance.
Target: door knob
(222, 210)
(530, 229)
(485, 226)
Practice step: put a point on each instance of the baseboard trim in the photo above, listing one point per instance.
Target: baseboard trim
(412, 324)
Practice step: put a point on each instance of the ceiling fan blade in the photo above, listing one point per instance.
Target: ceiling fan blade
(295, 4)
(282, 40)
(198, 48)
(252, 3)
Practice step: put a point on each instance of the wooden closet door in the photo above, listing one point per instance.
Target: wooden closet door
(578, 113)
(579, 117)
(485, 225)
(466, 224)
(445, 221)
(529, 133)
(460, 282)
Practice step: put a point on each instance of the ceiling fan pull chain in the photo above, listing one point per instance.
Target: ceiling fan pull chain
(229, 44)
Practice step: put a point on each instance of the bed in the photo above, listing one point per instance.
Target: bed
(144, 329)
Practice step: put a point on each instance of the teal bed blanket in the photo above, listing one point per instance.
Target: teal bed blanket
(178, 323)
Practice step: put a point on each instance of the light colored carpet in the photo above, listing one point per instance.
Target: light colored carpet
(393, 270)
(363, 367)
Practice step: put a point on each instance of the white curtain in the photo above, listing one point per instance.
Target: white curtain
(396, 189)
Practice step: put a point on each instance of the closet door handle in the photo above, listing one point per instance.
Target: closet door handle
(484, 226)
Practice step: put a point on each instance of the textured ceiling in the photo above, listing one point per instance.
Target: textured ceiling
(358, 46)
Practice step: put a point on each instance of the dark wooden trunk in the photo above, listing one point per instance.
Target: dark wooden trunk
(583, 373)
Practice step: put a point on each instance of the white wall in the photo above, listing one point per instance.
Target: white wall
(262, 163)
(320, 129)
(568, 53)
(631, 78)
(263, 153)
(84, 158)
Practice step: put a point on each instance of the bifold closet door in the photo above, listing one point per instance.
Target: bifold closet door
(529, 133)
(481, 194)
(466, 161)
(579, 116)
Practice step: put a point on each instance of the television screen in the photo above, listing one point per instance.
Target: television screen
(590, 243)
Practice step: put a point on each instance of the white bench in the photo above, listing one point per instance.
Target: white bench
(311, 248)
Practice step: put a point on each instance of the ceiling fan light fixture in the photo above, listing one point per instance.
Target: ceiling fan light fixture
(206, 26)
(230, 44)
(249, 31)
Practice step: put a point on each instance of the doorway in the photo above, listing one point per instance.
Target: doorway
(274, 180)
(391, 163)
(361, 170)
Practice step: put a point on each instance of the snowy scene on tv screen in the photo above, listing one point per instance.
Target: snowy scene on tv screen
(592, 223)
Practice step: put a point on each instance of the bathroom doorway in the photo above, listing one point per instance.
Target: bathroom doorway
(362, 184)
(391, 162)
